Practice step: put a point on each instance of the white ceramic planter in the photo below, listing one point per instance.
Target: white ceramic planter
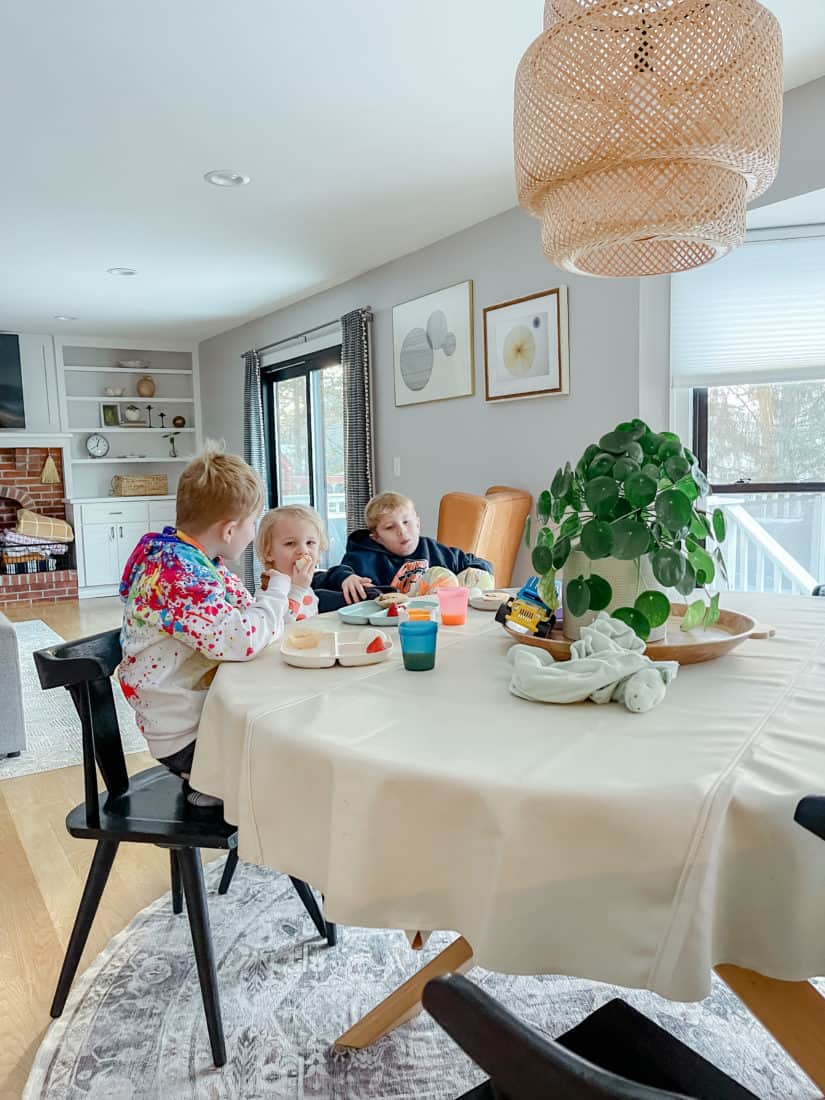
(627, 579)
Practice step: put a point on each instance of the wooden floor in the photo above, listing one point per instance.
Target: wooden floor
(43, 871)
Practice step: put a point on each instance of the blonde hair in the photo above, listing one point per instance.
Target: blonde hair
(287, 511)
(382, 503)
(214, 487)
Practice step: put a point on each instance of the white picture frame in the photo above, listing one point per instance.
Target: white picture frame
(433, 346)
(526, 349)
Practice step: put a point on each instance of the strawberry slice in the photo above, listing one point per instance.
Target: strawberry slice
(392, 611)
(376, 645)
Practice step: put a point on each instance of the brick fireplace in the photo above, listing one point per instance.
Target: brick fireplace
(20, 486)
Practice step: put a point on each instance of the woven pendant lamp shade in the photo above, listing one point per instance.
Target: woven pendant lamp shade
(643, 127)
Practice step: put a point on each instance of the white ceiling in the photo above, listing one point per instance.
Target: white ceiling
(369, 129)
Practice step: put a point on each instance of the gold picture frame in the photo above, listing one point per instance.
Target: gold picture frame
(526, 347)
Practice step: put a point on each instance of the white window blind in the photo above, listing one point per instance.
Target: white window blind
(758, 315)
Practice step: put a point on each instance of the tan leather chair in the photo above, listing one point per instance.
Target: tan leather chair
(490, 527)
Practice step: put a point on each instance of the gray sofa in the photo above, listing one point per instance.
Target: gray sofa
(12, 727)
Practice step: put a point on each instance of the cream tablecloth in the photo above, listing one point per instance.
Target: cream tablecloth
(582, 840)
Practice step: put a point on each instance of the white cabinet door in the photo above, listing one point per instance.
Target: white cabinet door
(100, 554)
(128, 536)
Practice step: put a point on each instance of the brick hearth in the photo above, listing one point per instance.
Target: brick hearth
(20, 469)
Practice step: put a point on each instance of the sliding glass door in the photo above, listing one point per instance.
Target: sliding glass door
(304, 432)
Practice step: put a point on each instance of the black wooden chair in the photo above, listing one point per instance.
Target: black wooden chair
(147, 808)
(616, 1053)
(810, 814)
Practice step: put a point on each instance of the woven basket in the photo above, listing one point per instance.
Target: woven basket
(140, 485)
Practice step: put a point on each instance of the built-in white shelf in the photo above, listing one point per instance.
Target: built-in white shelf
(127, 370)
(105, 430)
(127, 461)
(134, 400)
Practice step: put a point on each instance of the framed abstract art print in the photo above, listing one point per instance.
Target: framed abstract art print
(526, 347)
(433, 346)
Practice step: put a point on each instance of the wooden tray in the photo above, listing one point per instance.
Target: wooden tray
(729, 631)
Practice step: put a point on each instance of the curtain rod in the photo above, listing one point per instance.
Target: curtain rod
(303, 335)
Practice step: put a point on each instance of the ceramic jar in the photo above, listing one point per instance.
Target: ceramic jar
(146, 386)
(179, 421)
(628, 579)
(132, 412)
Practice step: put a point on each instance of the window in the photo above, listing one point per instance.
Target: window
(748, 353)
(304, 433)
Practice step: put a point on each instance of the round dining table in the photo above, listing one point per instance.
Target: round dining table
(643, 850)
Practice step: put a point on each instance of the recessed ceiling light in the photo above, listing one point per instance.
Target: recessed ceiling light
(64, 317)
(121, 271)
(226, 177)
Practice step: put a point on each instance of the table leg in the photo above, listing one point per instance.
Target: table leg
(405, 1002)
(793, 1012)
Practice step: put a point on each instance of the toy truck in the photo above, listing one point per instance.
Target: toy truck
(527, 612)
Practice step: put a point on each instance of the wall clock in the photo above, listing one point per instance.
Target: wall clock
(97, 445)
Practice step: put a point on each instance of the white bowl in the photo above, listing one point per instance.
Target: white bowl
(114, 391)
(135, 364)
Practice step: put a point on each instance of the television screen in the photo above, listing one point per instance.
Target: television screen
(11, 383)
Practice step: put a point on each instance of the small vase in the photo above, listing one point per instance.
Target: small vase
(627, 579)
(146, 386)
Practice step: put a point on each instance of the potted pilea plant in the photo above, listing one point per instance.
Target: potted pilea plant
(626, 524)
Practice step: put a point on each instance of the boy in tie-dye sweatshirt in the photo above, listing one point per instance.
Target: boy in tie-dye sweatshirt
(186, 612)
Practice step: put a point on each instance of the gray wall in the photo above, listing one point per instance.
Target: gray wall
(802, 153)
(464, 443)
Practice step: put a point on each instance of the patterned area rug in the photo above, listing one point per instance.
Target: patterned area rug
(52, 726)
(134, 1028)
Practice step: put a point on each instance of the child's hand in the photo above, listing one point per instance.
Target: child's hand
(303, 570)
(353, 588)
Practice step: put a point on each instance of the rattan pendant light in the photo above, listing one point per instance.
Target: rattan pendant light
(643, 127)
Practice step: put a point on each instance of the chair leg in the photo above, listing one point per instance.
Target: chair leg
(306, 895)
(228, 870)
(101, 865)
(177, 893)
(191, 873)
(331, 929)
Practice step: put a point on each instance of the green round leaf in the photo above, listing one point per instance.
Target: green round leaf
(561, 483)
(640, 489)
(561, 552)
(655, 606)
(676, 467)
(590, 453)
(600, 592)
(601, 495)
(547, 590)
(623, 508)
(558, 509)
(528, 527)
(601, 466)
(542, 559)
(672, 436)
(701, 481)
(673, 510)
(688, 582)
(630, 539)
(635, 452)
(624, 467)
(668, 566)
(700, 525)
(651, 442)
(597, 539)
(719, 526)
(634, 619)
(702, 563)
(543, 506)
(545, 537)
(577, 596)
(616, 442)
(571, 526)
(634, 428)
(652, 470)
(668, 448)
(688, 486)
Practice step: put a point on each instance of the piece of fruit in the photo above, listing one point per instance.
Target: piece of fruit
(376, 645)
(392, 611)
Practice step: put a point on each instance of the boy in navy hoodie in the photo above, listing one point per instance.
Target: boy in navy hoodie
(390, 553)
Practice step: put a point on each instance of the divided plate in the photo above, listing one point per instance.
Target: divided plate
(370, 611)
(346, 648)
(688, 648)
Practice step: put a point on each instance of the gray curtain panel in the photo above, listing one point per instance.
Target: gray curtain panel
(358, 443)
(253, 444)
